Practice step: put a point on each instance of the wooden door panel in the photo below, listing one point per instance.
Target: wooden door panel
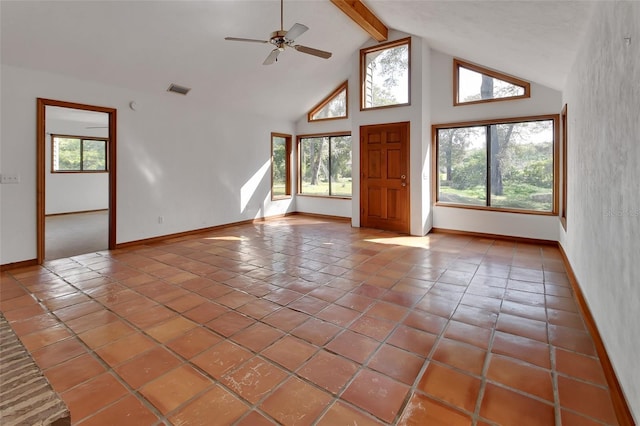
(384, 189)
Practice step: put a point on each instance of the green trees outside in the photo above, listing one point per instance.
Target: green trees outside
(325, 166)
(279, 166)
(387, 70)
(76, 154)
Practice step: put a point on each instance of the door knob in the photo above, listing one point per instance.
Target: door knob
(403, 177)
(404, 184)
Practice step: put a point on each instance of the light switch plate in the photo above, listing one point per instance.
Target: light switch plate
(10, 178)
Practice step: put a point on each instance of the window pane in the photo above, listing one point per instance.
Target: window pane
(386, 79)
(66, 154)
(341, 166)
(475, 86)
(522, 165)
(314, 166)
(336, 107)
(94, 155)
(279, 166)
(462, 165)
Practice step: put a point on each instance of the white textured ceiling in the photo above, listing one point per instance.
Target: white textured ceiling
(146, 45)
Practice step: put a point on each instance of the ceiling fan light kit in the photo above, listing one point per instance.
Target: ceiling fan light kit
(282, 39)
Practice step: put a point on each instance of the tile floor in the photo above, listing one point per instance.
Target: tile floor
(307, 321)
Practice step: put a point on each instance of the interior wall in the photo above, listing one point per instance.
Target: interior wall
(603, 224)
(543, 100)
(73, 192)
(192, 165)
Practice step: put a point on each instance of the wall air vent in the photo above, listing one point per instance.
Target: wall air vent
(178, 89)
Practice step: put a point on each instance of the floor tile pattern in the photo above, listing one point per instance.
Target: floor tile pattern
(307, 321)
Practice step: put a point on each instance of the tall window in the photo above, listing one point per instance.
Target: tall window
(325, 165)
(385, 74)
(503, 164)
(474, 84)
(332, 107)
(280, 166)
(78, 154)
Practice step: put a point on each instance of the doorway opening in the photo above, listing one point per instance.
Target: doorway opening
(76, 185)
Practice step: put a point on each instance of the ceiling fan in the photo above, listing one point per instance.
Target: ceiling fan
(282, 39)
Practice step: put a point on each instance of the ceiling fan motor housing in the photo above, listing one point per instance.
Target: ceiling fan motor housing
(278, 39)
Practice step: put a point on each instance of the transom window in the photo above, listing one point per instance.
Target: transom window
(333, 106)
(474, 84)
(325, 165)
(503, 165)
(78, 154)
(385, 74)
(280, 166)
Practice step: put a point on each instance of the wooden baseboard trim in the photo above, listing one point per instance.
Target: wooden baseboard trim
(80, 212)
(620, 405)
(17, 265)
(523, 240)
(321, 216)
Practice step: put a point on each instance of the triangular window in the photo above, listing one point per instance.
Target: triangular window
(332, 107)
(475, 84)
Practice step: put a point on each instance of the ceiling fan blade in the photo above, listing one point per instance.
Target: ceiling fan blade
(312, 51)
(296, 31)
(252, 40)
(273, 56)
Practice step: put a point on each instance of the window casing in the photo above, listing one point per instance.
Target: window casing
(324, 165)
(563, 209)
(280, 166)
(505, 165)
(333, 107)
(473, 84)
(79, 154)
(385, 75)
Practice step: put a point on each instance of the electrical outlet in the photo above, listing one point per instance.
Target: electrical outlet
(10, 178)
(161, 219)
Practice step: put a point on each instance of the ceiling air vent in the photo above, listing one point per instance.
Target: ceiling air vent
(178, 89)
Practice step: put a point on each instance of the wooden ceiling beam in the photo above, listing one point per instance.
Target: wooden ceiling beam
(361, 15)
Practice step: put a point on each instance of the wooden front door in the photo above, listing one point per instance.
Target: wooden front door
(384, 185)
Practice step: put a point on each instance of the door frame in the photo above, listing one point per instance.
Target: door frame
(41, 141)
(407, 125)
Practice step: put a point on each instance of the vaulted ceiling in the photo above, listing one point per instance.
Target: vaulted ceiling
(146, 45)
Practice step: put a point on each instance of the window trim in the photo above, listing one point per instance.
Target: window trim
(384, 46)
(434, 162)
(563, 139)
(82, 139)
(299, 166)
(287, 185)
(457, 63)
(344, 86)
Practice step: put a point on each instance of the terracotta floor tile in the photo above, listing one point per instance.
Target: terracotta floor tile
(565, 319)
(68, 374)
(283, 296)
(387, 311)
(92, 320)
(437, 305)
(377, 394)
(524, 327)
(259, 308)
(33, 324)
(503, 406)
(338, 315)
(290, 352)
(397, 364)
(235, 299)
(353, 346)
(413, 340)
(257, 336)
(468, 333)
(105, 334)
(286, 319)
(66, 300)
(254, 379)
(329, 371)
(133, 305)
(355, 302)
(216, 406)
(308, 304)
(583, 398)
(121, 350)
(475, 316)
(254, 418)
(296, 403)
(170, 329)
(44, 337)
(561, 303)
(343, 414)
(147, 366)
(221, 358)
(230, 323)
(174, 388)
(522, 348)
(193, 342)
(521, 376)
(580, 366)
(573, 419)
(205, 312)
(18, 302)
(128, 411)
(327, 293)
(460, 355)
(458, 389)
(537, 313)
(91, 396)
(485, 290)
(485, 303)
(375, 328)
(422, 410)
(572, 339)
(426, 322)
(316, 331)
(24, 312)
(58, 352)
(149, 317)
